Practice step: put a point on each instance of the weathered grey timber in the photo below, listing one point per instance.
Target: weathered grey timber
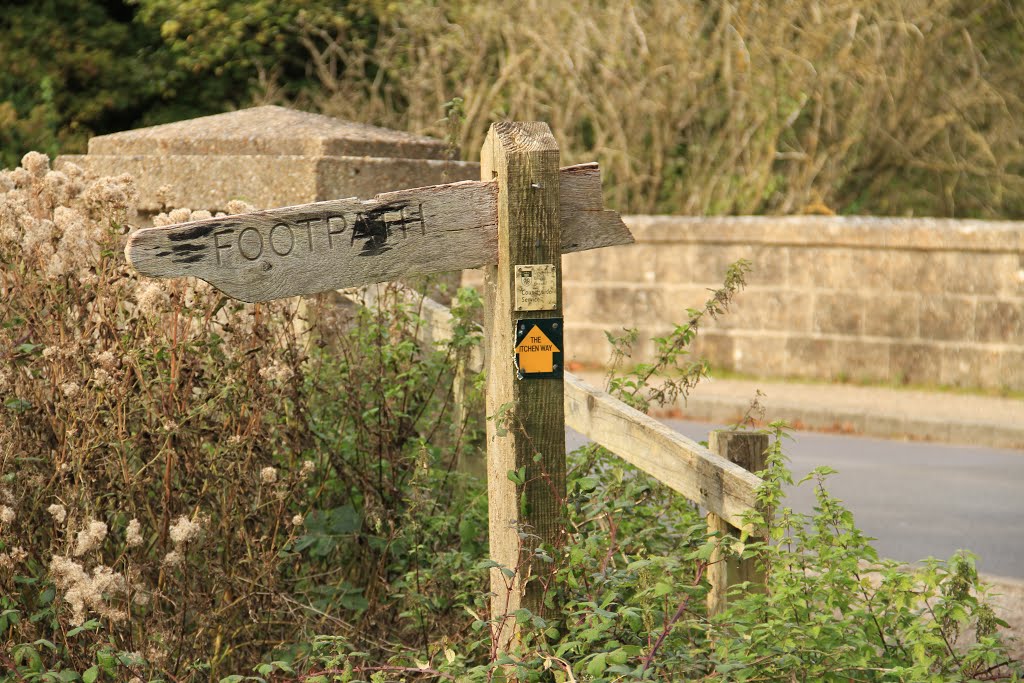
(527, 432)
(746, 449)
(341, 243)
(701, 475)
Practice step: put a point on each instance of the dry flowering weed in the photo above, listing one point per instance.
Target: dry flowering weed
(184, 531)
(277, 373)
(12, 558)
(58, 512)
(90, 538)
(237, 206)
(87, 592)
(133, 534)
(131, 404)
(268, 475)
(172, 559)
(121, 396)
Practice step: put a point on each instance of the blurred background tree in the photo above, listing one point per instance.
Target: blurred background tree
(68, 69)
(892, 107)
(71, 69)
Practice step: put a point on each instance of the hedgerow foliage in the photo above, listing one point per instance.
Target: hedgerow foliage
(195, 489)
(726, 107)
(187, 482)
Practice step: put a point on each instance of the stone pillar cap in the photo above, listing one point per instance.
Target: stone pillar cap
(268, 156)
(269, 130)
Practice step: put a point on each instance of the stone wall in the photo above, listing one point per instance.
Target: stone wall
(916, 301)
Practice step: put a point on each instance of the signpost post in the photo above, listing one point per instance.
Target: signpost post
(517, 222)
(524, 399)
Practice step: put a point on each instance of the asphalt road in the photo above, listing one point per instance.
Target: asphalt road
(918, 500)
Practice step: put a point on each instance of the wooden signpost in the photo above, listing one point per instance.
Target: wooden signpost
(340, 243)
(516, 222)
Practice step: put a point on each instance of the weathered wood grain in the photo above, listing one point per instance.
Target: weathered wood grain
(746, 449)
(525, 429)
(710, 480)
(348, 242)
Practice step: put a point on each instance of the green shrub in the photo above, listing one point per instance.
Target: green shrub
(632, 582)
(909, 107)
(890, 107)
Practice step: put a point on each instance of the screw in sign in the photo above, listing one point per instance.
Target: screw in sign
(539, 348)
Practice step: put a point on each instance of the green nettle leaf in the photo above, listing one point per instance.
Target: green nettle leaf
(107, 661)
(90, 625)
(27, 348)
(26, 655)
(91, 674)
(662, 588)
(46, 643)
(597, 665)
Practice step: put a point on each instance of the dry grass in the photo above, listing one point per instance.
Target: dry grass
(750, 106)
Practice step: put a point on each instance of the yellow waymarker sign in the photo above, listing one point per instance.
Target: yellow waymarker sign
(536, 352)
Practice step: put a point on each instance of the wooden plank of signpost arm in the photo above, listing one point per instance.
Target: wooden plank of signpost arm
(718, 485)
(340, 243)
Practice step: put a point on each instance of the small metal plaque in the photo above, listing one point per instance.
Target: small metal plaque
(538, 351)
(536, 287)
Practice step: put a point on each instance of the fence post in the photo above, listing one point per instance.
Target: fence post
(747, 450)
(526, 422)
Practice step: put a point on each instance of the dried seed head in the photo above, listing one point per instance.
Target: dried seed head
(184, 531)
(133, 534)
(35, 163)
(58, 512)
(90, 537)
